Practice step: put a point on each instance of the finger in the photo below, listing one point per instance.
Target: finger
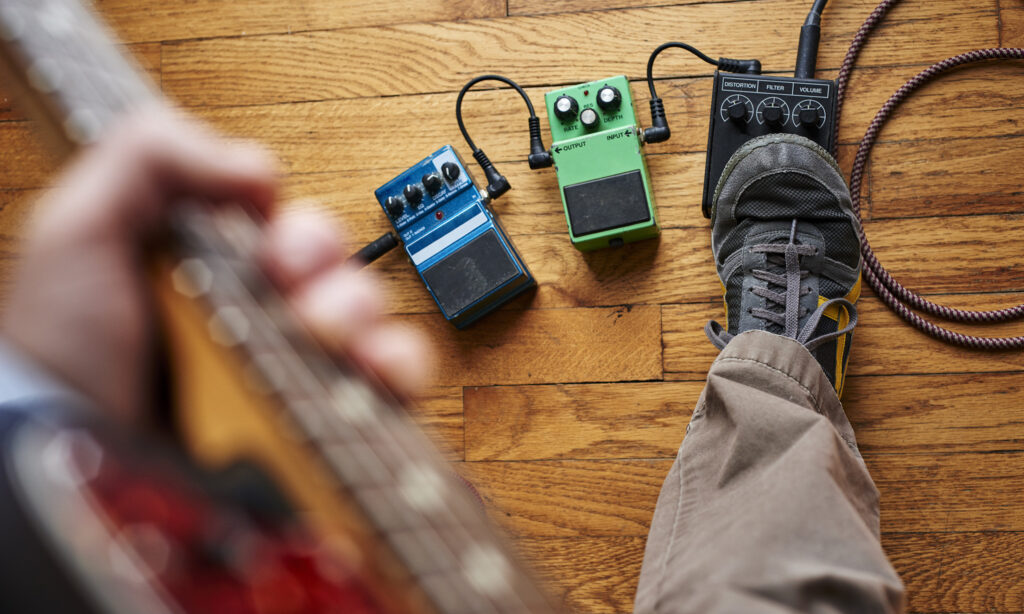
(398, 355)
(338, 305)
(301, 243)
(123, 184)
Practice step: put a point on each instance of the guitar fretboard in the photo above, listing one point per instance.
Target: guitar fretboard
(80, 82)
(65, 60)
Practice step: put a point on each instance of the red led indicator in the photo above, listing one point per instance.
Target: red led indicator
(586, 92)
(439, 215)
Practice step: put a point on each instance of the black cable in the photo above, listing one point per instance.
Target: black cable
(659, 130)
(470, 84)
(539, 156)
(672, 45)
(376, 248)
(810, 36)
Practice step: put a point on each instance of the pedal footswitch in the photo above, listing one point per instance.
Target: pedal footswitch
(455, 243)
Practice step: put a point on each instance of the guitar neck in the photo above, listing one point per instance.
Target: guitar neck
(77, 82)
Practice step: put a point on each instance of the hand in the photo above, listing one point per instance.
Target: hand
(80, 306)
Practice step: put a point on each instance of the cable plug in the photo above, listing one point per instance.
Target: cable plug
(539, 155)
(496, 182)
(375, 249)
(659, 130)
(749, 67)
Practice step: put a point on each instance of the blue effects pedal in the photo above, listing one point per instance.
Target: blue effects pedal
(456, 244)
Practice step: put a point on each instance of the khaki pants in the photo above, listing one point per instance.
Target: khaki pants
(769, 506)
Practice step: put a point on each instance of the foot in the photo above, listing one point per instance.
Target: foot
(784, 237)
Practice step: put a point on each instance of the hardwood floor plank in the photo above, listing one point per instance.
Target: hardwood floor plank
(26, 162)
(959, 572)
(588, 421)
(541, 7)
(570, 498)
(168, 20)
(980, 100)
(961, 177)
(883, 344)
(1012, 19)
(963, 413)
(544, 346)
(943, 572)
(441, 57)
(920, 493)
(439, 411)
(593, 575)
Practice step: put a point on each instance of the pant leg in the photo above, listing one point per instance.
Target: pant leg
(769, 506)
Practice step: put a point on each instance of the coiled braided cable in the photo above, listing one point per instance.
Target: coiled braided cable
(895, 295)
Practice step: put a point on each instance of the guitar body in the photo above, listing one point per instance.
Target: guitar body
(223, 416)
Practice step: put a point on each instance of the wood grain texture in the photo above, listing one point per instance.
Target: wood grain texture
(943, 572)
(648, 420)
(591, 421)
(550, 49)
(196, 19)
(566, 407)
(1011, 17)
(921, 492)
(539, 346)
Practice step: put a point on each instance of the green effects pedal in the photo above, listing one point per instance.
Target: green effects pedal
(606, 190)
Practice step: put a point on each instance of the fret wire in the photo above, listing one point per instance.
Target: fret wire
(408, 461)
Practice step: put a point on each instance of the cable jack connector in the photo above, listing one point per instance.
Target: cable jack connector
(496, 182)
(539, 156)
(659, 131)
(747, 67)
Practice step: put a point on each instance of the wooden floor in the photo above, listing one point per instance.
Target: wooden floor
(566, 408)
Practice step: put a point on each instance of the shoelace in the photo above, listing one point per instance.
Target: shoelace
(787, 310)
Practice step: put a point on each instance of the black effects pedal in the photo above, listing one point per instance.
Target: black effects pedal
(747, 106)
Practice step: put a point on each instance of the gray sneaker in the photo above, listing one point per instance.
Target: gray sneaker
(784, 237)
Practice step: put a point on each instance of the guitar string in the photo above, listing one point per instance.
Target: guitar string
(341, 426)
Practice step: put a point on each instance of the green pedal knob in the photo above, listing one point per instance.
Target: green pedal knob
(602, 175)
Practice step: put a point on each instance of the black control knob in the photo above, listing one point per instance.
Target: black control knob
(451, 171)
(413, 194)
(737, 111)
(589, 118)
(808, 117)
(609, 98)
(394, 206)
(433, 183)
(566, 108)
(772, 116)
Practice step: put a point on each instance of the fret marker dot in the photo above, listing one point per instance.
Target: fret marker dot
(422, 487)
(192, 278)
(82, 127)
(352, 405)
(229, 326)
(44, 76)
(487, 570)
